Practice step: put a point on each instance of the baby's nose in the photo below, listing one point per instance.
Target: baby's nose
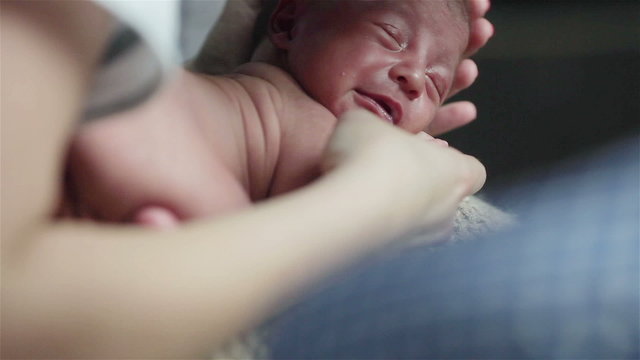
(410, 79)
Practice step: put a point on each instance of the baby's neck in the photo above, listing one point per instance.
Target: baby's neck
(260, 126)
(267, 53)
(303, 126)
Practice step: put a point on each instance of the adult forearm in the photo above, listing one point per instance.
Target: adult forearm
(48, 54)
(126, 292)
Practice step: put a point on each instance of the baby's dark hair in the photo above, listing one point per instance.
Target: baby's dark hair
(458, 8)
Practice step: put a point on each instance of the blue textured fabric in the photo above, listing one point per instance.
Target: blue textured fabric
(564, 284)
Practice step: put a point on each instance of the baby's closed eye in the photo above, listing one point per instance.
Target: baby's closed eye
(392, 37)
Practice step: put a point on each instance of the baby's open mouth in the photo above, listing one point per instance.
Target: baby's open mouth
(379, 105)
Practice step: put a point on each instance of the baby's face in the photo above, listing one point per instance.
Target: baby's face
(395, 58)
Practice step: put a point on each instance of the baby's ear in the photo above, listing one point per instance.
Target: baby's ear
(282, 22)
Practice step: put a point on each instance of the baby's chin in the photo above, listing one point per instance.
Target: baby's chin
(156, 217)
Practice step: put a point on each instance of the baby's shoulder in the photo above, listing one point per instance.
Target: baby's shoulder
(270, 74)
(283, 89)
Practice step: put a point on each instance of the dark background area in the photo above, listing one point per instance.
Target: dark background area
(558, 79)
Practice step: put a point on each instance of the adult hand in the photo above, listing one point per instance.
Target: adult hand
(420, 183)
(459, 113)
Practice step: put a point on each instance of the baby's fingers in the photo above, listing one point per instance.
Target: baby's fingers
(426, 137)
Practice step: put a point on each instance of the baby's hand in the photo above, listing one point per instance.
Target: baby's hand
(426, 137)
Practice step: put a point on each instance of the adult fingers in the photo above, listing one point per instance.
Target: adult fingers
(481, 30)
(474, 174)
(478, 174)
(466, 74)
(452, 116)
(478, 8)
(354, 130)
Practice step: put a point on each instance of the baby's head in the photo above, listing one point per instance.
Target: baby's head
(395, 58)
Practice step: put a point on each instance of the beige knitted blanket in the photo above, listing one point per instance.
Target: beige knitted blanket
(474, 218)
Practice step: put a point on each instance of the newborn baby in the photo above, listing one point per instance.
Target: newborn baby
(210, 145)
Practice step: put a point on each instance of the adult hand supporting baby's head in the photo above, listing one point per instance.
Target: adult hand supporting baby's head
(460, 113)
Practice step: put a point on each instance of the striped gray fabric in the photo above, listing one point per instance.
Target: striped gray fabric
(129, 73)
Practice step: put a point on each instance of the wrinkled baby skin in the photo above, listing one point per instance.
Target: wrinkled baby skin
(394, 58)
